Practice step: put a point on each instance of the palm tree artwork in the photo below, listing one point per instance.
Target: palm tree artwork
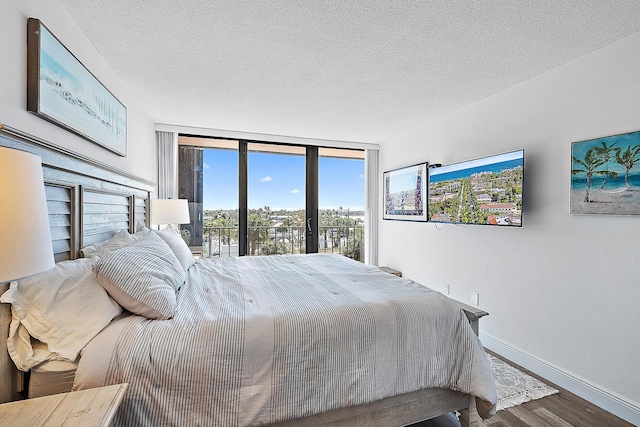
(605, 152)
(597, 168)
(589, 166)
(628, 159)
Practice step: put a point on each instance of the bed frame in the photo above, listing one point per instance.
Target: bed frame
(90, 201)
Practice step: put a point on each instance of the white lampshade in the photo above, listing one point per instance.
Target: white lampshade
(170, 211)
(25, 239)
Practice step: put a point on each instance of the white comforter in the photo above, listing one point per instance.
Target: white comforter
(258, 340)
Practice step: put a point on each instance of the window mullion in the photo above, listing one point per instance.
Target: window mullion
(243, 181)
(311, 213)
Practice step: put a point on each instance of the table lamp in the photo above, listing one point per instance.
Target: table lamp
(25, 238)
(170, 211)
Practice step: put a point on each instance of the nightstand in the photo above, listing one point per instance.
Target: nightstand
(391, 271)
(92, 407)
(474, 314)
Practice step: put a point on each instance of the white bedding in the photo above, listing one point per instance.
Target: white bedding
(257, 340)
(56, 313)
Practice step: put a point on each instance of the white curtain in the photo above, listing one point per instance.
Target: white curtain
(167, 165)
(371, 208)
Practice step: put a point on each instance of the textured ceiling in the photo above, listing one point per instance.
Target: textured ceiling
(353, 70)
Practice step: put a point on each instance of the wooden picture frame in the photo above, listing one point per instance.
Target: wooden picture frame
(405, 196)
(61, 90)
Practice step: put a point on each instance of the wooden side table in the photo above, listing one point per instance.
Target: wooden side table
(92, 407)
(474, 314)
(391, 271)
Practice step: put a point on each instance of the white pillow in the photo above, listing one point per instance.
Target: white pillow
(141, 227)
(143, 277)
(63, 308)
(119, 240)
(178, 246)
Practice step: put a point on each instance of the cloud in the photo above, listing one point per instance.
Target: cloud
(265, 179)
(295, 191)
(206, 165)
(360, 176)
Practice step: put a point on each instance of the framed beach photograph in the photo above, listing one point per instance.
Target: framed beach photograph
(605, 175)
(61, 90)
(405, 193)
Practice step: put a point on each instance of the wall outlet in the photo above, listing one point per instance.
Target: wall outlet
(475, 298)
(447, 289)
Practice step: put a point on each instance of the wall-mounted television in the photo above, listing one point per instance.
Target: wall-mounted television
(485, 191)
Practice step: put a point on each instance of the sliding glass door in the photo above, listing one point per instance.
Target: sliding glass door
(275, 199)
(341, 202)
(208, 178)
(255, 198)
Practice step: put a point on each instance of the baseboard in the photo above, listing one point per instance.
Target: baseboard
(606, 399)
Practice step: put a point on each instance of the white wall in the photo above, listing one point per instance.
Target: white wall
(142, 154)
(564, 289)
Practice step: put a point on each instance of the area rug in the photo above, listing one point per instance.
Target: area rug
(514, 386)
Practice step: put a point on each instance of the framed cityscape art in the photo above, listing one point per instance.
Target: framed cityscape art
(405, 193)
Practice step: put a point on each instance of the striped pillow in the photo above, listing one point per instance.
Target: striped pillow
(143, 277)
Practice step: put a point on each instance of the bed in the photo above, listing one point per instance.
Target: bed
(284, 340)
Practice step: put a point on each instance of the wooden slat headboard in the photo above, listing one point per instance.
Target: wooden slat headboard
(103, 213)
(61, 204)
(88, 202)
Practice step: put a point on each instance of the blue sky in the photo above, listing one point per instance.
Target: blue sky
(470, 164)
(278, 181)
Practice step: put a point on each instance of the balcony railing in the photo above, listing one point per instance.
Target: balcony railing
(223, 241)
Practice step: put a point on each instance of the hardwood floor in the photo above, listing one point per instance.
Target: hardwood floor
(559, 410)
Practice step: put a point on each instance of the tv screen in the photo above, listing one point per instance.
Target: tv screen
(484, 191)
